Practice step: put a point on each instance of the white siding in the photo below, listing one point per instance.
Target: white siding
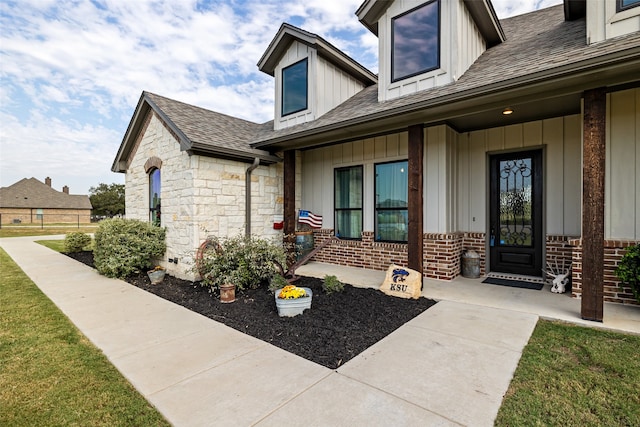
(460, 45)
(622, 204)
(296, 52)
(560, 138)
(328, 86)
(603, 22)
(334, 86)
(318, 167)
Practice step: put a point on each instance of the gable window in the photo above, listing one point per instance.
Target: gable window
(294, 87)
(415, 41)
(348, 202)
(627, 4)
(154, 196)
(392, 196)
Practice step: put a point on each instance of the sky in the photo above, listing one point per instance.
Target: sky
(72, 71)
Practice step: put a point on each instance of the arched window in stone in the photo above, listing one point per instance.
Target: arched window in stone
(152, 167)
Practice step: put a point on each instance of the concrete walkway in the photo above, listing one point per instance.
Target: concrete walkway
(449, 366)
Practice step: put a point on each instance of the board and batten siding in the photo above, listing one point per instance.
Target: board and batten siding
(460, 45)
(560, 139)
(318, 167)
(622, 169)
(605, 22)
(327, 85)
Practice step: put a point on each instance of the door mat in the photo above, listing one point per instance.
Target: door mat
(513, 283)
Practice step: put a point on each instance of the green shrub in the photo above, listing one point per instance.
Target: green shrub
(331, 284)
(76, 241)
(277, 282)
(126, 246)
(241, 261)
(628, 270)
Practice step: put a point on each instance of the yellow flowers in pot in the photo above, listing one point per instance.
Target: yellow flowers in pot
(292, 292)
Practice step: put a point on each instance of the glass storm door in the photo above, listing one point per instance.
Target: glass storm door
(515, 238)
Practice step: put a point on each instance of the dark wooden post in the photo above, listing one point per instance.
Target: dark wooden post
(415, 207)
(290, 204)
(593, 167)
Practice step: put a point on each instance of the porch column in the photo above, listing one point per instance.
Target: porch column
(415, 204)
(593, 168)
(290, 203)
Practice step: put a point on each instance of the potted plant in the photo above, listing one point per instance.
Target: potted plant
(237, 263)
(292, 300)
(156, 275)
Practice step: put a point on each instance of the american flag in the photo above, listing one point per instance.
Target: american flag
(306, 217)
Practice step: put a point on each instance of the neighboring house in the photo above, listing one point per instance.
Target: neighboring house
(30, 201)
(518, 138)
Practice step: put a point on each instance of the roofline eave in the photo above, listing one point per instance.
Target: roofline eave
(562, 80)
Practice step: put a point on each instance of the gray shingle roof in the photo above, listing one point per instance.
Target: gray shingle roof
(202, 126)
(537, 43)
(31, 193)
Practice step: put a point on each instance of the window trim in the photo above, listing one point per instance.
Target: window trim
(335, 201)
(375, 207)
(439, 60)
(306, 88)
(620, 7)
(157, 211)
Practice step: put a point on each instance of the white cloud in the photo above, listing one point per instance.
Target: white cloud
(73, 70)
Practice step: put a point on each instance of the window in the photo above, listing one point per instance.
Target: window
(392, 191)
(415, 41)
(154, 196)
(348, 202)
(627, 4)
(294, 88)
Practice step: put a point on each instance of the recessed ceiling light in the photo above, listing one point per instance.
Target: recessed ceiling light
(507, 111)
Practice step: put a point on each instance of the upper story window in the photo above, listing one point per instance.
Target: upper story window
(294, 87)
(392, 200)
(154, 196)
(348, 202)
(415, 41)
(627, 4)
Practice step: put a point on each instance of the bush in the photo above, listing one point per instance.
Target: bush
(277, 282)
(126, 246)
(331, 284)
(628, 270)
(76, 241)
(240, 261)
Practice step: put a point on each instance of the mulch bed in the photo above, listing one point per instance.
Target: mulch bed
(338, 327)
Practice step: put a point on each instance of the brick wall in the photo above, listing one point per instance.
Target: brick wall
(31, 216)
(614, 250)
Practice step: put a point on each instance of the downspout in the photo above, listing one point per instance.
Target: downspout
(247, 203)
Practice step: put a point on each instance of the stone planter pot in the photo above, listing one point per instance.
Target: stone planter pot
(227, 293)
(293, 307)
(156, 276)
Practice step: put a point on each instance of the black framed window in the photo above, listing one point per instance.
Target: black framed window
(348, 202)
(415, 41)
(294, 87)
(154, 197)
(392, 200)
(626, 4)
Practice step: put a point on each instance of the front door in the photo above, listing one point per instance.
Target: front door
(515, 239)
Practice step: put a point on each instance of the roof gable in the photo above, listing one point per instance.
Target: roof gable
(288, 33)
(482, 12)
(32, 193)
(198, 131)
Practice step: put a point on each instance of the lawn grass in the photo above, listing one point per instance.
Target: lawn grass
(50, 373)
(56, 245)
(575, 376)
(18, 231)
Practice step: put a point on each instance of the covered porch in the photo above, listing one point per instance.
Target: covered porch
(543, 303)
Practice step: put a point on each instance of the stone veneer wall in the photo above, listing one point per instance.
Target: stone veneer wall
(201, 196)
(614, 250)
